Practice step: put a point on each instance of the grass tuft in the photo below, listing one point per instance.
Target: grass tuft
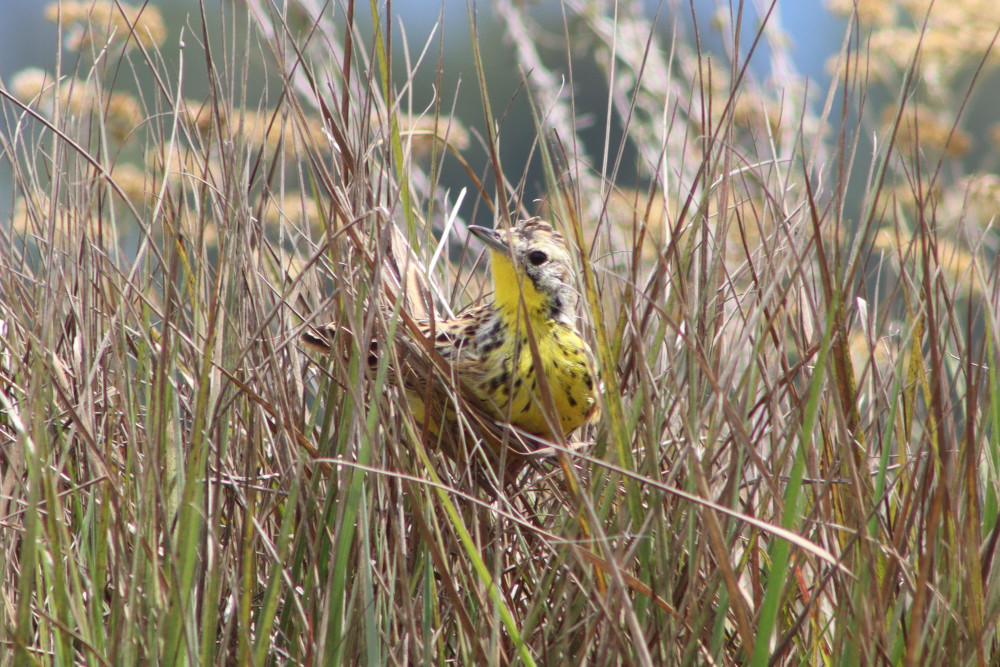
(798, 459)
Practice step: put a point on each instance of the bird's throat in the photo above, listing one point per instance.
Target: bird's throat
(511, 290)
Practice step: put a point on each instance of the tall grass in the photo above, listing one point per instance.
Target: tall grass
(797, 459)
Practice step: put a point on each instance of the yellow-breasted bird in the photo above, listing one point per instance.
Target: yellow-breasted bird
(488, 347)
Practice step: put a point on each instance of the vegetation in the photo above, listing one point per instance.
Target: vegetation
(794, 313)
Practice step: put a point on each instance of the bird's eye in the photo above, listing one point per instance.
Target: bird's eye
(537, 257)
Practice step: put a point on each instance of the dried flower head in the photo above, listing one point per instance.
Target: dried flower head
(945, 36)
(95, 25)
(870, 12)
(921, 129)
(31, 84)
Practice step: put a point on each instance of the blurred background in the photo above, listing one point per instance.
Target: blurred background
(27, 39)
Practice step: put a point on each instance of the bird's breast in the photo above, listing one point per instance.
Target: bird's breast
(512, 381)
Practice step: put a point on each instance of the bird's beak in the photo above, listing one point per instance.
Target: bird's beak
(491, 238)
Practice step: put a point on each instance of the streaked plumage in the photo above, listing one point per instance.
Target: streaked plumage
(488, 347)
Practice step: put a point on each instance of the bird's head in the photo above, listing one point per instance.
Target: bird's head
(530, 260)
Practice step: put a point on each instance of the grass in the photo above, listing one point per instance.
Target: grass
(797, 460)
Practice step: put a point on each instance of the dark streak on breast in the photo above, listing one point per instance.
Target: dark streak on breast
(556, 307)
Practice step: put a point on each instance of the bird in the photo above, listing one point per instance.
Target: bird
(521, 346)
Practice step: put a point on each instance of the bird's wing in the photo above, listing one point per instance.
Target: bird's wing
(455, 341)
